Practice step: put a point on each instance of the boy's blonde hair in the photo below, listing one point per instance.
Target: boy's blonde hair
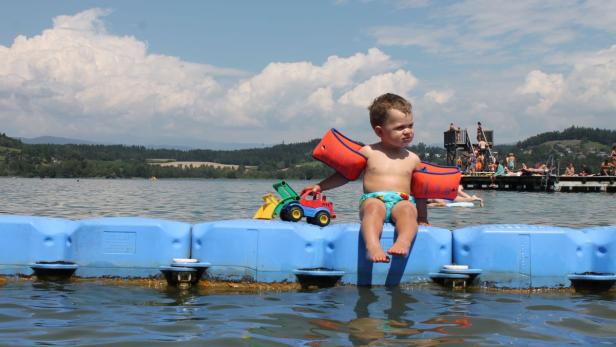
(382, 104)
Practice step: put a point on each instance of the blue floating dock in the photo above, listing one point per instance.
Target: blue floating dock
(27, 240)
(128, 247)
(523, 256)
(275, 251)
(503, 256)
(603, 254)
(258, 250)
(345, 250)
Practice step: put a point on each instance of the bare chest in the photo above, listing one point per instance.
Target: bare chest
(382, 165)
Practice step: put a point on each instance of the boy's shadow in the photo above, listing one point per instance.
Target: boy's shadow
(397, 265)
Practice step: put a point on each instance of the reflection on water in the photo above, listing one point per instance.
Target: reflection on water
(197, 200)
(34, 313)
(40, 313)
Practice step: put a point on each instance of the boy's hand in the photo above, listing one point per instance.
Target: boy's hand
(314, 188)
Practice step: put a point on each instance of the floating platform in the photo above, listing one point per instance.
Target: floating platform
(266, 251)
(541, 183)
(585, 184)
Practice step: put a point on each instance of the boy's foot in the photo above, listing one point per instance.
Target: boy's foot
(476, 198)
(400, 248)
(377, 255)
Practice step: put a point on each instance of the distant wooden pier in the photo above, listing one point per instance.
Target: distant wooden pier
(542, 183)
(586, 184)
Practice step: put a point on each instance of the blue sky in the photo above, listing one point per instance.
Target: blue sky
(202, 72)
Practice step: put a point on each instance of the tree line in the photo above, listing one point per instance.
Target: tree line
(283, 161)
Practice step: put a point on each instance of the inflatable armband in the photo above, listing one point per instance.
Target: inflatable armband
(341, 154)
(433, 181)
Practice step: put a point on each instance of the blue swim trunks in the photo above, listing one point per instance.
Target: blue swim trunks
(389, 199)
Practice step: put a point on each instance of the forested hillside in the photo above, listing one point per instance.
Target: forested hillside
(575, 144)
(280, 161)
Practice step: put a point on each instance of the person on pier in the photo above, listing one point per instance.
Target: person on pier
(570, 170)
(510, 161)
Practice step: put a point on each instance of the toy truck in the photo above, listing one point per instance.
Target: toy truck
(312, 205)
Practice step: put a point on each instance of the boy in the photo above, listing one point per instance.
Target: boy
(387, 179)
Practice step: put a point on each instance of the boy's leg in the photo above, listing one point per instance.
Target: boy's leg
(372, 214)
(404, 214)
(462, 193)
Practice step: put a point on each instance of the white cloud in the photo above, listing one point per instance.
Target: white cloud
(591, 85)
(548, 87)
(400, 82)
(278, 92)
(77, 72)
(593, 80)
(477, 27)
(77, 79)
(322, 98)
(599, 14)
(432, 39)
(86, 21)
(439, 97)
(412, 3)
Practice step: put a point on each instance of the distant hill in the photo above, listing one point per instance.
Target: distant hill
(9, 142)
(54, 140)
(216, 146)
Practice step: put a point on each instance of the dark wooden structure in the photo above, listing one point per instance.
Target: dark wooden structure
(459, 144)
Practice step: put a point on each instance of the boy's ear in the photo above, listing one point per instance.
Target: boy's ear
(378, 130)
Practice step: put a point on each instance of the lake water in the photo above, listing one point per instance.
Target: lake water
(68, 314)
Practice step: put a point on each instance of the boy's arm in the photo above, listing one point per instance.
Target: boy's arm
(334, 180)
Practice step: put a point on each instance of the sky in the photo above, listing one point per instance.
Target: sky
(200, 73)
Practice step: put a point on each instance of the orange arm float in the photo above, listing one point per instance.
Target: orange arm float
(431, 181)
(341, 154)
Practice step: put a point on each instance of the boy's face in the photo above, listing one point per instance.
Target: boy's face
(397, 130)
